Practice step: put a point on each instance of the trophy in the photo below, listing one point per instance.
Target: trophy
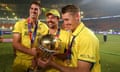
(47, 45)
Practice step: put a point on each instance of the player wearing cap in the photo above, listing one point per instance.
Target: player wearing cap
(52, 18)
(83, 51)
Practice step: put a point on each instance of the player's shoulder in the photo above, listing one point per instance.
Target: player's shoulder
(21, 21)
(40, 22)
(42, 25)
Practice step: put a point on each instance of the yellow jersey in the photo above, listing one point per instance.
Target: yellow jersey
(22, 28)
(85, 48)
(64, 39)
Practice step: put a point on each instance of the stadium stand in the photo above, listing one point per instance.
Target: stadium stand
(95, 24)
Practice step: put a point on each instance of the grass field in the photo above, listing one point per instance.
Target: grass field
(109, 52)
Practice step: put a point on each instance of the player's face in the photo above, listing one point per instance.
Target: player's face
(34, 11)
(69, 21)
(52, 21)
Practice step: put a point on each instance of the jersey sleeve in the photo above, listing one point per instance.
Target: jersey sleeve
(43, 28)
(17, 28)
(88, 50)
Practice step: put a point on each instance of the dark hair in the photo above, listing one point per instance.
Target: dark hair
(70, 8)
(37, 2)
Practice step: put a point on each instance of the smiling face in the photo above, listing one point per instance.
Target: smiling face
(52, 21)
(70, 20)
(34, 11)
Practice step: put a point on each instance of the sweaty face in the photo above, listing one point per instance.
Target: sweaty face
(34, 11)
(52, 21)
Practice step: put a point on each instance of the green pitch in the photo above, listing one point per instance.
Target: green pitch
(109, 52)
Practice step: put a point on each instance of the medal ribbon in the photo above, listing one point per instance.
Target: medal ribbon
(58, 33)
(69, 51)
(32, 35)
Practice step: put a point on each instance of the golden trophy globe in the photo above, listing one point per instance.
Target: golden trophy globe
(47, 45)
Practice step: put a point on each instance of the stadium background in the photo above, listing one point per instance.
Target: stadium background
(98, 15)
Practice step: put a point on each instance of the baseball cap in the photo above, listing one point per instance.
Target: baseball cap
(53, 12)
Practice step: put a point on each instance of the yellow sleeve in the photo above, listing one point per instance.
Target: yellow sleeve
(43, 28)
(46, 29)
(88, 50)
(17, 27)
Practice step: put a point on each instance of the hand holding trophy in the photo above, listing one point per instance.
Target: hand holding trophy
(48, 45)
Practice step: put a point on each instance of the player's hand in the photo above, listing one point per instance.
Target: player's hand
(42, 63)
(34, 62)
(45, 62)
(33, 51)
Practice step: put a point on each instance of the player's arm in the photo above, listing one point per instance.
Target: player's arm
(18, 46)
(14, 52)
(61, 56)
(82, 66)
